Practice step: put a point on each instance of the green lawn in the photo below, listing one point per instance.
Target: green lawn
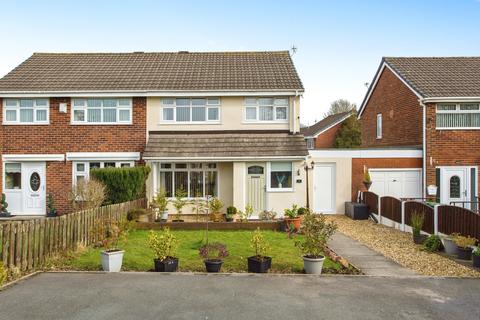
(138, 257)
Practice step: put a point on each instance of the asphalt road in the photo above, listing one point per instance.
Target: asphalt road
(187, 296)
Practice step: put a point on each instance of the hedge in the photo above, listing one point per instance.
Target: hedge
(123, 184)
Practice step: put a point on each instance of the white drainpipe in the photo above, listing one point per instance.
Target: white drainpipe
(424, 129)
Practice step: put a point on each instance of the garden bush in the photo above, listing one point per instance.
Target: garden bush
(123, 184)
(134, 214)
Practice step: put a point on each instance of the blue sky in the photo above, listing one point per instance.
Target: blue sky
(340, 43)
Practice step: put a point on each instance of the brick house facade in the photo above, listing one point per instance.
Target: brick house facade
(323, 133)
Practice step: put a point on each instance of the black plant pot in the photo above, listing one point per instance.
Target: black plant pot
(170, 264)
(4, 214)
(258, 265)
(51, 214)
(213, 265)
(464, 253)
(419, 238)
(229, 219)
(476, 261)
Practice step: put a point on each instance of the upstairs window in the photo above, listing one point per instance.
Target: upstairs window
(25, 111)
(379, 126)
(458, 116)
(310, 143)
(186, 110)
(102, 111)
(266, 110)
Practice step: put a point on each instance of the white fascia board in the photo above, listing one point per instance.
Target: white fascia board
(374, 84)
(103, 156)
(223, 159)
(147, 93)
(367, 153)
(451, 99)
(33, 157)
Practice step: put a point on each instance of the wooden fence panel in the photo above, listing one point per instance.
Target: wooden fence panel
(453, 219)
(371, 200)
(420, 207)
(391, 208)
(26, 244)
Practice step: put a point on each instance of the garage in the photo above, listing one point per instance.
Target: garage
(398, 183)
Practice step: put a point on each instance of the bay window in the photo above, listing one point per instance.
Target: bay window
(102, 111)
(266, 110)
(458, 116)
(280, 176)
(196, 180)
(26, 111)
(194, 110)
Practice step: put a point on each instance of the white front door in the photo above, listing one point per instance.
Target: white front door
(256, 187)
(33, 187)
(324, 185)
(455, 185)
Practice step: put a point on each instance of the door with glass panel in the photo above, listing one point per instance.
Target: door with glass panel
(34, 199)
(256, 187)
(455, 186)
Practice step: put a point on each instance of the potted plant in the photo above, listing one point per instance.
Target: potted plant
(160, 203)
(164, 246)
(367, 180)
(259, 263)
(433, 243)
(110, 232)
(231, 212)
(51, 210)
(213, 255)
(199, 206)
(476, 257)
(316, 232)
(464, 246)
(450, 245)
(267, 215)
(215, 206)
(179, 202)
(292, 219)
(3, 206)
(416, 222)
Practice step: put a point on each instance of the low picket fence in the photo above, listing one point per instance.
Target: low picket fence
(26, 244)
(439, 218)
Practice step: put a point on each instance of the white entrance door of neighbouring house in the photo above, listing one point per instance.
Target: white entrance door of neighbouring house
(324, 184)
(33, 188)
(256, 187)
(455, 185)
(400, 183)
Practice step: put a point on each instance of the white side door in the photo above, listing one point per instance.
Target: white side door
(324, 185)
(455, 185)
(33, 182)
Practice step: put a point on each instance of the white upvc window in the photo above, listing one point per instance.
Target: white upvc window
(101, 111)
(279, 176)
(197, 180)
(190, 110)
(379, 126)
(25, 111)
(266, 110)
(81, 170)
(458, 116)
(310, 143)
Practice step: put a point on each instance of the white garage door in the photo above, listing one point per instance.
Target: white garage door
(404, 183)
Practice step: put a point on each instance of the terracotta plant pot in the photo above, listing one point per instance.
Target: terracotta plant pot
(296, 222)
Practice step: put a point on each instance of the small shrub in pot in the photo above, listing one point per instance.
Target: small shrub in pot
(213, 255)
(215, 206)
(267, 215)
(231, 212)
(317, 231)
(433, 243)
(179, 202)
(160, 204)
(164, 245)
(367, 180)
(464, 246)
(292, 218)
(476, 257)
(260, 262)
(111, 231)
(416, 222)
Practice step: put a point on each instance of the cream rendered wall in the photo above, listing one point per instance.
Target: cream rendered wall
(343, 178)
(231, 117)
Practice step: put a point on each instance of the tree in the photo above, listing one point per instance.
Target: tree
(339, 106)
(349, 135)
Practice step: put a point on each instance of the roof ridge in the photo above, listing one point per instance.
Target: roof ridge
(166, 52)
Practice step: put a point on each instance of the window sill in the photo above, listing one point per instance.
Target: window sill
(101, 124)
(265, 122)
(25, 123)
(280, 190)
(187, 122)
(459, 128)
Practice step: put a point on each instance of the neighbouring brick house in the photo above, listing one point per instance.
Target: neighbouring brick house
(323, 133)
(432, 104)
(224, 124)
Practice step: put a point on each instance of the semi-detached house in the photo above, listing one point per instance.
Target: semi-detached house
(224, 124)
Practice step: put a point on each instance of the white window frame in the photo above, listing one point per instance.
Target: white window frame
(209, 104)
(310, 143)
(269, 172)
(456, 111)
(86, 173)
(85, 109)
(379, 126)
(188, 169)
(257, 106)
(17, 109)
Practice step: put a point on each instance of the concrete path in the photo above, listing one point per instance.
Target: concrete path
(187, 296)
(367, 260)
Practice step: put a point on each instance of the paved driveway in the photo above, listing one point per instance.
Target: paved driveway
(184, 296)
